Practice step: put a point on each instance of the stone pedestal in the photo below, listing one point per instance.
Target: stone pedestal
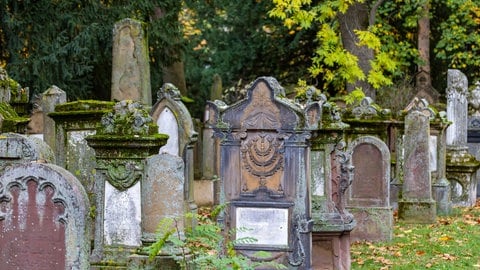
(121, 151)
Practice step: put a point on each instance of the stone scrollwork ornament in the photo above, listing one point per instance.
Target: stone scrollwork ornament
(122, 174)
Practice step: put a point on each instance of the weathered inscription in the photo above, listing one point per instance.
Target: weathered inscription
(269, 226)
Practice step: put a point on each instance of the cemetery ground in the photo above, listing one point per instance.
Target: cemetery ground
(453, 242)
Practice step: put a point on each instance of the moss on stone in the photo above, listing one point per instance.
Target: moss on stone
(85, 105)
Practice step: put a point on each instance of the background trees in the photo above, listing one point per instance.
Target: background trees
(336, 45)
(69, 43)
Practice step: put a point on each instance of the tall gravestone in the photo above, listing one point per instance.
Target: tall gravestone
(461, 165)
(416, 204)
(124, 140)
(130, 63)
(43, 219)
(173, 119)
(263, 172)
(368, 197)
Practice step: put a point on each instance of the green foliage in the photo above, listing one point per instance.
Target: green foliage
(354, 97)
(68, 43)
(240, 42)
(335, 64)
(204, 246)
(459, 36)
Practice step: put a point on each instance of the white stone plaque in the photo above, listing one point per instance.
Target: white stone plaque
(269, 226)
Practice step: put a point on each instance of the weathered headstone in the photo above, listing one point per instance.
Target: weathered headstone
(368, 196)
(461, 165)
(416, 204)
(163, 193)
(130, 63)
(43, 219)
(124, 140)
(173, 119)
(50, 98)
(263, 169)
(17, 148)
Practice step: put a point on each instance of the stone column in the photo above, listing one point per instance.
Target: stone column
(416, 204)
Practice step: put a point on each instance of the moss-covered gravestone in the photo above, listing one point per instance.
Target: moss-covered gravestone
(124, 140)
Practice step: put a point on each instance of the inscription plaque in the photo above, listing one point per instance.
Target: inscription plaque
(269, 226)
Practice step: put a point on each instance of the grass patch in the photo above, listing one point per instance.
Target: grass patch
(453, 242)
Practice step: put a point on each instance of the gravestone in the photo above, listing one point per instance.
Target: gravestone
(130, 62)
(17, 148)
(173, 119)
(163, 194)
(416, 204)
(126, 137)
(263, 173)
(473, 137)
(43, 219)
(73, 121)
(461, 165)
(50, 98)
(368, 197)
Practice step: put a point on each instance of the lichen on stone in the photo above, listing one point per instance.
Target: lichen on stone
(128, 118)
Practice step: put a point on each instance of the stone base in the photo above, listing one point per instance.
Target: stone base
(441, 195)
(417, 211)
(203, 192)
(331, 250)
(374, 224)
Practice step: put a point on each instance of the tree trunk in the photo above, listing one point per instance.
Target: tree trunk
(357, 18)
(175, 72)
(424, 43)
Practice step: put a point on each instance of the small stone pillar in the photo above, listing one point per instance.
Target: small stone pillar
(50, 98)
(126, 138)
(416, 204)
(438, 166)
(461, 165)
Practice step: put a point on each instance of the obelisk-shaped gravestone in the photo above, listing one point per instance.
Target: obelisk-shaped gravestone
(416, 204)
(130, 67)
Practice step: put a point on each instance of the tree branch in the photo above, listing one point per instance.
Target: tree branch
(373, 12)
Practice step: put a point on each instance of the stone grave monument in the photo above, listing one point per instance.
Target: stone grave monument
(461, 165)
(368, 197)
(130, 63)
(473, 137)
(263, 173)
(44, 212)
(173, 119)
(416, 204)
(331, 174)
(123, 142)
